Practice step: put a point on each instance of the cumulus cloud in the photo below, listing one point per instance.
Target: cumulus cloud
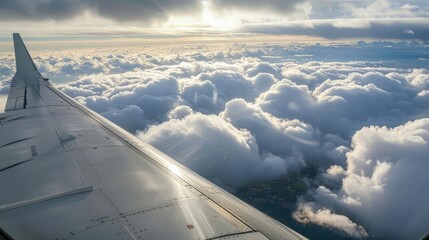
(263, 67)
(343, 105)
(419, 78)
(288, 138)
(203, 96)
(155, 97)
(215, 149)
(306, 214)
(263, 81)
(286, 99)
(383, 185)
(180, 112)
(131, 118)
(75, 91)
(231, 84)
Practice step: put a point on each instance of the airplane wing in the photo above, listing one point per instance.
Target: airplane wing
(68, 173)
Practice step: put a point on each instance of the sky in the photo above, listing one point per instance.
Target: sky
(250, 91)
(84, 23)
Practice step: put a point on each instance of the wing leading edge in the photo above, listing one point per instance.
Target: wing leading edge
(69, 173)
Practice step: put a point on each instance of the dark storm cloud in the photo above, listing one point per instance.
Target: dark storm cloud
(126, 10)
(415, 28)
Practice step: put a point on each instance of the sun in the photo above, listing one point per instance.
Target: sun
(206, 21)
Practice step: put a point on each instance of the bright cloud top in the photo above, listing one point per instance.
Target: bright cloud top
(381, 186)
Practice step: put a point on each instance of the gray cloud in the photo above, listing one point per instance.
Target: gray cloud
(128, 10)
(143, 10)
(277, 6)
(39, 10)
(390, 28)
(131, 118)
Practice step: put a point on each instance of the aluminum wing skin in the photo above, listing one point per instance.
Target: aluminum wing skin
(68, 173)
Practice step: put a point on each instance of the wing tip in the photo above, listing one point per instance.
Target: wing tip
(16, 36)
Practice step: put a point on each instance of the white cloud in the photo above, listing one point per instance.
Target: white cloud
(304, 75)
(230, 84)
(352, 23)
(419, 78)
(341, 106)
(335, 173)
(293, 8)
(75, 91)
(263, 81)
(292, 139)
(215, 149)
(384, 185)
(409, 31)
(180, 112)
(263, 67)
(381, 8)
(286, 99)
(324, 217)
(203, 96)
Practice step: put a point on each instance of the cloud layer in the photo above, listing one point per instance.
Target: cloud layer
(349, 28)
(240, 114)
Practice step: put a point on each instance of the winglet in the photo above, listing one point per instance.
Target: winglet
(25, 85)
(24, 63)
